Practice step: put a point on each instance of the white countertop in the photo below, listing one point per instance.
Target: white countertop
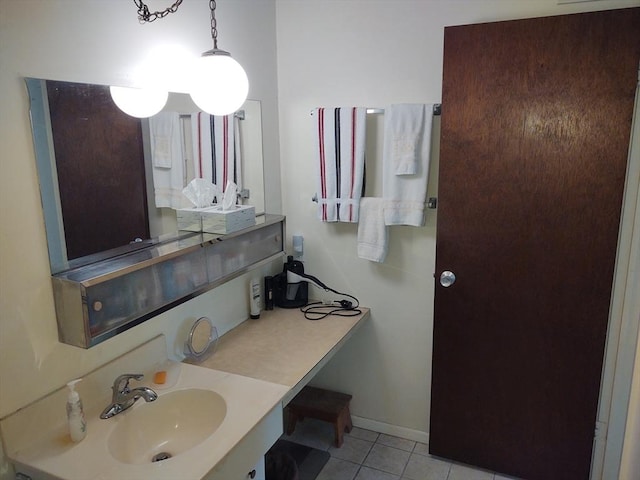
(283, 347)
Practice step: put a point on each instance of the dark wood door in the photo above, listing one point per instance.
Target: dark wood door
(100, 166)
(535, 133)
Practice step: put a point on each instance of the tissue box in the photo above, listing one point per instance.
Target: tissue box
(189, 219)
(216, 220)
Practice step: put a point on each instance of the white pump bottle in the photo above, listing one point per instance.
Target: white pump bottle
(75, 413)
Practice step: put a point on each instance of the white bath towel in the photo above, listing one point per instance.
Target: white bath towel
(372, 231)
(339, 141)
(405, 194)
(214, 148)
(167, 157)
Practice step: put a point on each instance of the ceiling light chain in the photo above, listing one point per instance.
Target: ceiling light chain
(214, 24)
(145, 16)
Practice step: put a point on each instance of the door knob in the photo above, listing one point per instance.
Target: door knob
(447, 278)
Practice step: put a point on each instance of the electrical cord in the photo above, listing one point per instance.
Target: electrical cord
(320, 310)
(338, 308)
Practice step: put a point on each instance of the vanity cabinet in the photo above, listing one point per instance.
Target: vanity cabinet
(248, 456)
(97, 301)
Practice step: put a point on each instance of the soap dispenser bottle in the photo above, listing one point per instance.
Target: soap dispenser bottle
(75, 413)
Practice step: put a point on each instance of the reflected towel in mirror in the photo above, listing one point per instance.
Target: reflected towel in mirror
(214, 148)
(167, 159)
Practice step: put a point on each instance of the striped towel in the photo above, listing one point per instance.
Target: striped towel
(339, 144)
(214, 148)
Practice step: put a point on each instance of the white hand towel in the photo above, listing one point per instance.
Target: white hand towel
(214, 148)
(339, 142)
(167, 159)
(405, 195)
(372, 232)
(406, 127)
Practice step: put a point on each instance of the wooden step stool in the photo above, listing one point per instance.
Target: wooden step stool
(325, 405)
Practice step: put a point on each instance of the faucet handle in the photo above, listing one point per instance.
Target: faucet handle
(122, 382)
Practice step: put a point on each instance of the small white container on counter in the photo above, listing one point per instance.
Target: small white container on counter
(255, 298)
(75, 413)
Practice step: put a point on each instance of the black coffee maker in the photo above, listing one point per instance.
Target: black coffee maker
(288, 294)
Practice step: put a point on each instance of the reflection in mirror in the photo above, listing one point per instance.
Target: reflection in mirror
(99, 169)
(202, 340)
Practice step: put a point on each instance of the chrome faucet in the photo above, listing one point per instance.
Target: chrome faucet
(124, 397)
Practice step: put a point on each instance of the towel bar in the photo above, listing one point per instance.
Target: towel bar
(239, 114)
(437, 110)
(431, 203)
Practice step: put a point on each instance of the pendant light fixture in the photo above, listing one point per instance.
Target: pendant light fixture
(139, 102)
(219, 83)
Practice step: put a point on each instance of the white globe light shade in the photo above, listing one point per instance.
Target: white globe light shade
(139, 102)
(219, 83)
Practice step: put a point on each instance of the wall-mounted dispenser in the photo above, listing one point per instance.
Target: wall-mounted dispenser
(298, 246)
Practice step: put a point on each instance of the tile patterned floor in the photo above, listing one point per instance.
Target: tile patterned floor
(368, 455)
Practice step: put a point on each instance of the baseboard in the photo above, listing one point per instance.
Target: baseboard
(387, 429)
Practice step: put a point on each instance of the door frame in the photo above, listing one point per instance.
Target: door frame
(624, 324)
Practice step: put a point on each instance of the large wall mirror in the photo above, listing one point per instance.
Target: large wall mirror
(96, 171)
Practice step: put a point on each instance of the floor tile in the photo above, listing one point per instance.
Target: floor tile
(366, 473)
(369, 455)
(462, 472)
(353, 449)
(387, 459)
(421, 467)
(396, 442)
(337, 469)
(421, 448)
(364, 434)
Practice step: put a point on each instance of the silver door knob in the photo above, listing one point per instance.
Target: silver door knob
(447, 278)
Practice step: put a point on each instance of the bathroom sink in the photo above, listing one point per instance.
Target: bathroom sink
(157, 431)
(205, 423)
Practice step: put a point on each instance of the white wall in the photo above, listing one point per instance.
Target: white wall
(374, 53)
(99, 41)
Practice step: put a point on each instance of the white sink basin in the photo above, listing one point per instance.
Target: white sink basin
(174, 423)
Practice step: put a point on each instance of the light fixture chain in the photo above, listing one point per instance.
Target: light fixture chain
(145, 16)
(214, 24)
